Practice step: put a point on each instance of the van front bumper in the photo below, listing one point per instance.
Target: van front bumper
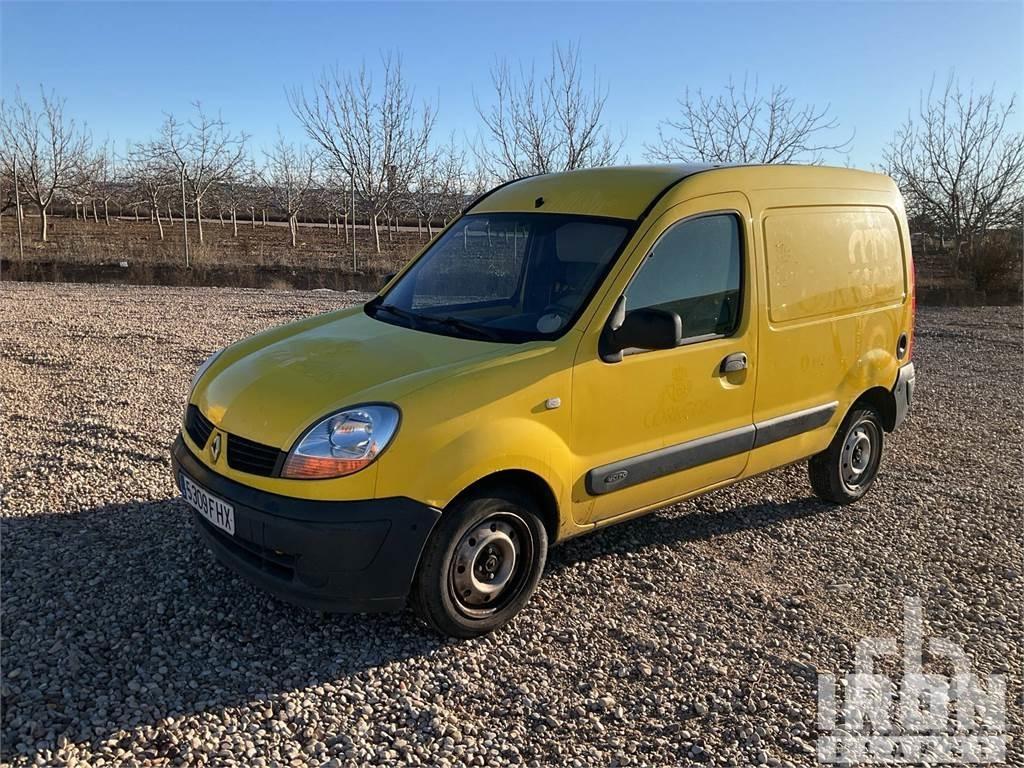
(344, 556)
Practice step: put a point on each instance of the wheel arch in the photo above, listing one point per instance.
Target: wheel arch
(883, 401)
(523, 480)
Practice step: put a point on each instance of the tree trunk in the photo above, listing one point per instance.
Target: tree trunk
(151, 209)
(159, 224)
(253, 212)
(170, 212)
(234, 223)
(346, 226)
(136, 214)
(184, 220)
(76, 211)
(294, 222)
(95, 213)
(106, 213)
(221, 214)
(264, 217)
(42, 222)
(199, 220)
(430, 230)
(376, 232)
(19, 210)
(419, 226)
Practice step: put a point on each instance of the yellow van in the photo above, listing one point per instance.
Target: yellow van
(575, 350)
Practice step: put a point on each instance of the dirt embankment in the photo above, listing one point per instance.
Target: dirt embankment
(131, 252)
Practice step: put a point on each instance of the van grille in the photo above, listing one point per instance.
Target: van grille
(243, 455)
(198, 426)
(254, 458)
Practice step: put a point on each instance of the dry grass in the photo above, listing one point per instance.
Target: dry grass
(318, 247)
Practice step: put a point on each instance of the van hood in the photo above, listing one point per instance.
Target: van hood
(271, 387)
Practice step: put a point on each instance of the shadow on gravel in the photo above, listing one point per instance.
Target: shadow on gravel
(660, 529)
(118, 616)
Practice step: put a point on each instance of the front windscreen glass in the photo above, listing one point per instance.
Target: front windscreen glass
(505, 276)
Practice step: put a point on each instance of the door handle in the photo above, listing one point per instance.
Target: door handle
(734, 362)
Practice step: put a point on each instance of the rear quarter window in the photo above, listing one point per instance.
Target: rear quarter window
(829, 261)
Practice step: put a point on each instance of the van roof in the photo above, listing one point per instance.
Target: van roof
(628, 192)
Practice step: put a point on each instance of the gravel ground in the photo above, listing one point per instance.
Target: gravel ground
(692, 635)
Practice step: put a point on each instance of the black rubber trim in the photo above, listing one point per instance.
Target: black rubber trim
(350, 556)
(286, 507)
(665, 461)
(903, 392)
(703, 450)
(792, 424)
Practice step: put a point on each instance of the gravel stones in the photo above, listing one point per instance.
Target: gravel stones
(690, 636)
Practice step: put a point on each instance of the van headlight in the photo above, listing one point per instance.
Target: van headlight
(343, 443)
(201, 370)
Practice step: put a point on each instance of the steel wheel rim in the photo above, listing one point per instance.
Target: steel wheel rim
(860, 448)
(489, 564)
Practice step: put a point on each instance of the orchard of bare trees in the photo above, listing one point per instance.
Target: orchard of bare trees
(370, 165)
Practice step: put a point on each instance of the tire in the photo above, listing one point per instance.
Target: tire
(846, 470)
(481, 564)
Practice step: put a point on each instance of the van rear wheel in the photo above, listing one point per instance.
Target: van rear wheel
(846, 470)
(481, 564)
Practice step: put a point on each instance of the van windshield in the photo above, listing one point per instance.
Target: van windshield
(509, 277)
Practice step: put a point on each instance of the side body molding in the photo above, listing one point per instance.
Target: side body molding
(703, 450)
(781, 427)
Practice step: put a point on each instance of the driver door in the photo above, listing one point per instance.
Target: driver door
(661, 424)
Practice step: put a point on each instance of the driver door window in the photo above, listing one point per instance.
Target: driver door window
(694, 270)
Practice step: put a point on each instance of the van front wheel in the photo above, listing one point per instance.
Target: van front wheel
(844, 471)
(481, 564)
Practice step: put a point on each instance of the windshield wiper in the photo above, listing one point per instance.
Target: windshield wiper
(461, 325)
(454, 323)
(411, 317)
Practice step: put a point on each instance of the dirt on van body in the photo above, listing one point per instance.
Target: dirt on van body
(695, 635)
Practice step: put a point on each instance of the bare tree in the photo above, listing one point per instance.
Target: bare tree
(83, 188)
(171, 151)
(108, 178)
(203, 153)
(960, 166)
(339, 198)
(554, 124)
(235, 193)
(49, 148)
(376, 138)
(288, 178)
(742, 125)
(153, 179)
(437, 180)
(256, 195)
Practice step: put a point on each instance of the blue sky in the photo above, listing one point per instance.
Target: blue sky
(121, 66)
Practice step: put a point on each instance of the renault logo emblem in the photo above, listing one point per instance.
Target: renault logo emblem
(215, 446)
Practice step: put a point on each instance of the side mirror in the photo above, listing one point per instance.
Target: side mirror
(388, 278)
(645, 328)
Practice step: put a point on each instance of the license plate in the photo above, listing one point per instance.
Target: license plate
(217, 511)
